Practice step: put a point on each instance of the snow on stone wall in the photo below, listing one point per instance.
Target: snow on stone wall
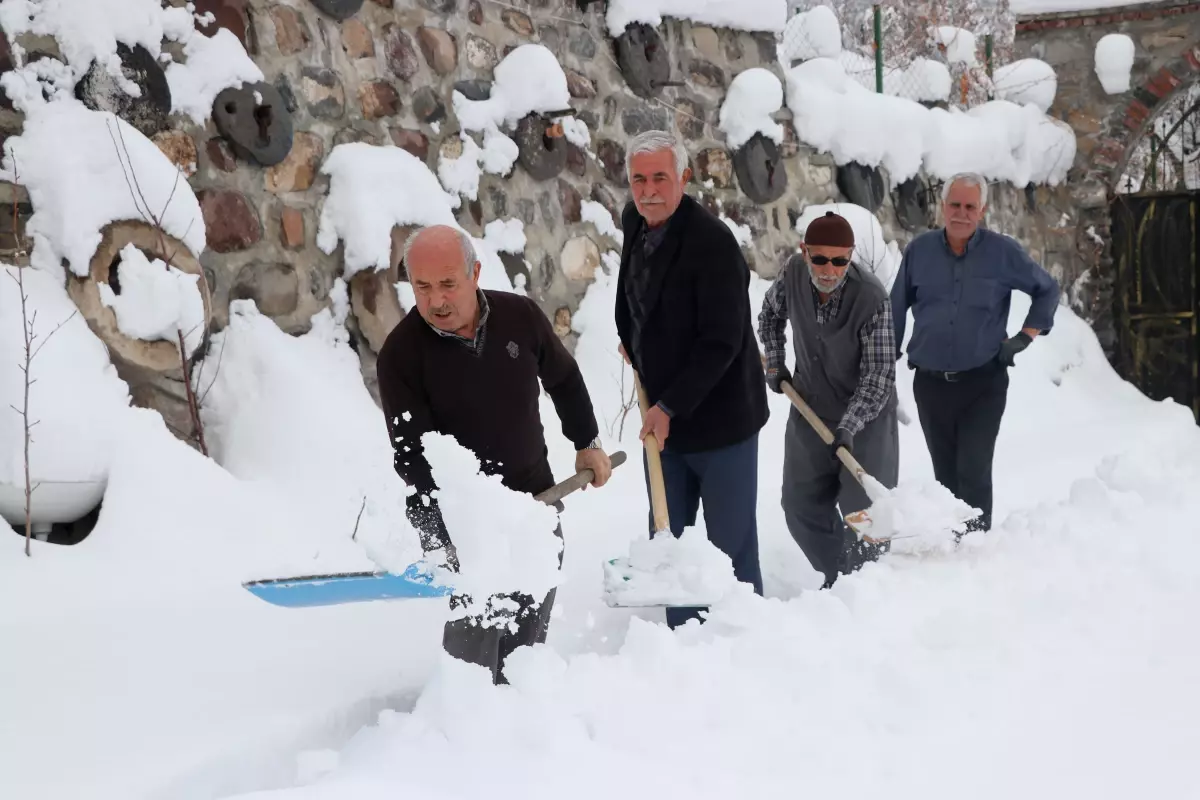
(520, 117)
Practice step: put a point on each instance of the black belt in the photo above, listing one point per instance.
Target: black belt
(955, 376)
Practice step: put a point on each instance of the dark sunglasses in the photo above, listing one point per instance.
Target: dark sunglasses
(820, 261)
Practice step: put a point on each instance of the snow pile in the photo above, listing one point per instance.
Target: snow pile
(528, 80)
(743, 234)
(372, 189)
(506, 235)
(157, 301)
(870, 249)
(1004, 141)
(74, 390)
(85, 169)
(959, 45)
(921, 80)
(1027, 81)
(1114, 61)
(754, 95)
(815, 33)
(504, 539)
(90, 30)
(917, 516)
(665, 570)
(258, 432)
(602, 221)
(213, 65)
(745, 15)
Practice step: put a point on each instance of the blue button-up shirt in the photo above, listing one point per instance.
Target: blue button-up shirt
(960, 304)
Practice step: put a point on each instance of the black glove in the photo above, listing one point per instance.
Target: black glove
(1013, 345)
(425, 515)
(776, 377)
(842, 438)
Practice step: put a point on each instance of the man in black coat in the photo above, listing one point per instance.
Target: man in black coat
(683, 318)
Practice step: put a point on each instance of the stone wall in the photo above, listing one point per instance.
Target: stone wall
(383, 72)
(1166, 37)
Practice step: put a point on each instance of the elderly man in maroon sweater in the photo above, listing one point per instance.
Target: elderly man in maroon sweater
(468, 365)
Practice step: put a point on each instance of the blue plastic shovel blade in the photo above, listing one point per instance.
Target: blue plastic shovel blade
(347, 587)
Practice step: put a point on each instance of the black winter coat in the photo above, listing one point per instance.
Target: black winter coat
(698, 354)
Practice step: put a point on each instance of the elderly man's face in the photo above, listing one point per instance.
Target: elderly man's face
(657, 187)
(962, 210)
(445, 290)
(828, 265)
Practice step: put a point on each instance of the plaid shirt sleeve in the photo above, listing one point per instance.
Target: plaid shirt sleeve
(876, 371)
(772, 324)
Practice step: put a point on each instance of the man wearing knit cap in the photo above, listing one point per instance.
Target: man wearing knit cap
(845, 370)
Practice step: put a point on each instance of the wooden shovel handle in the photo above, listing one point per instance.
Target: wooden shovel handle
(823, 431)
(576, 482)
(658, 487)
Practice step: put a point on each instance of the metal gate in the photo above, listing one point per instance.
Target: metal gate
(1154, 240)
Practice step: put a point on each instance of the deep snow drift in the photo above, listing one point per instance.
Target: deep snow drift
(1049, 654)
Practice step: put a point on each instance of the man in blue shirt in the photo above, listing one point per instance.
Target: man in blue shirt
(958, 282)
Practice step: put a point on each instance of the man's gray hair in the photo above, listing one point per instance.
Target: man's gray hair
(464, 242)
(970, 179)
(654, 142)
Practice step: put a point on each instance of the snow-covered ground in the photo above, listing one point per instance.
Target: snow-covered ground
(1050, 658)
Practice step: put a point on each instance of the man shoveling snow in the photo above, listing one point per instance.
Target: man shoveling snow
(846, 372)
(468, 366)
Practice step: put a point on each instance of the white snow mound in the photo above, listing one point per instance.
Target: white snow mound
(663, 569)
(754, 95)
(85, 169)
(1114, 62)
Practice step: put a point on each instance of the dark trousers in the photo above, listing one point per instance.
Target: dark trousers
(725, 480)
(818, 492)
(485, 639)
(961, 420)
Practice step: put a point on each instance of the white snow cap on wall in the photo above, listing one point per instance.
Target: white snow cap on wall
(1114, 62)
(1003, 140)
(960, 44)
(754, 95)
(1026, 81)
(814, 33)
(372, 189)
(745, 15)
(90, 30)
(528, 80)
(85, 169)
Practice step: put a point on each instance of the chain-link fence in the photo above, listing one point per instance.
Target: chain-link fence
(944, 52)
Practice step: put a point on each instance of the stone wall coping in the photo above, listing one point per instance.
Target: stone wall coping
(1105, 16)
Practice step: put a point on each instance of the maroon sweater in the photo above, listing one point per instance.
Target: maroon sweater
(486, 397)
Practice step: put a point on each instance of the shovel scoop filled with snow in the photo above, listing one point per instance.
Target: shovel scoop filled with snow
(668, 571)
(927, 512)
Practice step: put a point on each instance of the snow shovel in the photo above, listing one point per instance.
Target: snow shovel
(360, 587)
(614, 568)
(859, 521)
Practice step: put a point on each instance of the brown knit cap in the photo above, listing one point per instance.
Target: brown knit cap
(830, 230)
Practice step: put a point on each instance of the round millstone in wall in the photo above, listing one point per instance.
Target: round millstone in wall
(373, 297)
(913, 210)
(760, 171)
(148, 113)
(541, 147)
(338, 9)
(861, 185)
(147, 357)
(643, 59)
(255, 122)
